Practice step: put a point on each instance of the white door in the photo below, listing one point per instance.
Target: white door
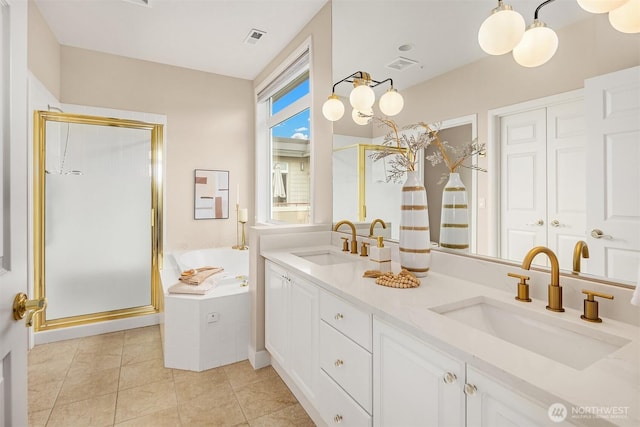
(523, 210)
(414, 385)
(566, 180)
(13, 210)
(613, 210)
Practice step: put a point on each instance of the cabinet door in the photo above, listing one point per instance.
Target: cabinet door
(413, 383)
(276, 306)
(493, 405)
(303, 355)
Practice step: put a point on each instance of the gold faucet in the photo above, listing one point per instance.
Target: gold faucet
(354, 241)
(581, 250)
(555, 290)
(373, 224)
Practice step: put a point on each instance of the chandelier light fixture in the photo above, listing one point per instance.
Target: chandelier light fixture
(538, 44)
(362, 98)
(501, 31)
(624, 15)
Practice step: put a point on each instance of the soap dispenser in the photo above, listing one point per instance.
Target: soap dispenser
(380, 256)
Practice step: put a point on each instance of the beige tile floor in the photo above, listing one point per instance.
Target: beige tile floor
(118, 379)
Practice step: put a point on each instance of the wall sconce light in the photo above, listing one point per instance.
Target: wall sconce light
(362, 98)
(538, 44)
(501, 31)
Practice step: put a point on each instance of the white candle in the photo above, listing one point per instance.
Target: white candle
(243, 215)
(237, 194)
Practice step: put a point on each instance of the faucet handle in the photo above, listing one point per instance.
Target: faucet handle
(345, 244)
(363, 249)
(591, 305)
(523, 287)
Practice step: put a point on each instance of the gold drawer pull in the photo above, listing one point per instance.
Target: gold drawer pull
(449, 378)
(338, 363)
(470, 389)
(337, 419)
(338, 316)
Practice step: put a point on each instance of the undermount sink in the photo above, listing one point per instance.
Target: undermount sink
(567, 343)
(326, 257)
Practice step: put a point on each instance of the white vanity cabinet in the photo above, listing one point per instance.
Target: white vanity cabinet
(413, 383)
(291, 326)
(345, 359)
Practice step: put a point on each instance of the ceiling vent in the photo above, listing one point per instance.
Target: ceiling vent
(146, 3)
(254, 36)
(401, 64)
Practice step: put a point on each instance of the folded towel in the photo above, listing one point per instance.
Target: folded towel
(201, 289)
(197, 276)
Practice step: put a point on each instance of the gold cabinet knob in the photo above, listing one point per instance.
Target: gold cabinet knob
(31, 307)
(338, 363)
(337, 419)
(449, 378)
(590, 305)
(338, 316)
(523, 287)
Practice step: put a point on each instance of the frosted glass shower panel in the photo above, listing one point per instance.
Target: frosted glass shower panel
(98, 243)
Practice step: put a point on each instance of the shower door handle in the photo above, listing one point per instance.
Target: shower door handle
(31, 307)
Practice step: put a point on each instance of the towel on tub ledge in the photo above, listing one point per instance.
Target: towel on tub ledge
(197, 276)
(201, 289)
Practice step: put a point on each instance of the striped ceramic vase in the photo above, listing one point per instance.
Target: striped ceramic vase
(415, 242)
(454, 220)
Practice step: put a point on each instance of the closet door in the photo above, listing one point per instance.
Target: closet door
(613, 182)
(566, 180)
(523, 212)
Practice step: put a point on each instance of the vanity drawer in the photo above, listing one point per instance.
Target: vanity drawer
(347, 318)
(347, 363)
(336, 407)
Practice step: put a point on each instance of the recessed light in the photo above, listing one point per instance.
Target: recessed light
(405, 47)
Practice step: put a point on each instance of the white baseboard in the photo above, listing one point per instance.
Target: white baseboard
(258, 359)
(97, 328)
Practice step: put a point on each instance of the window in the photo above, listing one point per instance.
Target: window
(284, 145)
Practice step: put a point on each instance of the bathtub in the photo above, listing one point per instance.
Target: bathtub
(201, 332)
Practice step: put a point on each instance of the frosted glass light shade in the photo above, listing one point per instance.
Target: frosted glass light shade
(333, 108)
(391, 103)
(626, 18)
(361, 120)
(362, 98)
(600, 6)
(539, 43)
(501, 31)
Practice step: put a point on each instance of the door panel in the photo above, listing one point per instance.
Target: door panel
(523, 182)
(613, 123)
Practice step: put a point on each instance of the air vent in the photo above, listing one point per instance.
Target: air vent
(254, 36)
(401, 64)
(146, 3)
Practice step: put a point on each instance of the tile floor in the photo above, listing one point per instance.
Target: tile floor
(118, 379)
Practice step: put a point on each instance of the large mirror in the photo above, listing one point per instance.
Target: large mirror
(430, 50)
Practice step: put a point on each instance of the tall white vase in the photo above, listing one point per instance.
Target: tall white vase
(454, 220)
(415, 241)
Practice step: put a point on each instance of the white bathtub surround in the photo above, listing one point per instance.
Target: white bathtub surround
(205, 331)
(609, 381)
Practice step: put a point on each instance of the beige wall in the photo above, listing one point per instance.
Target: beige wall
(43, 54)
(210, 125)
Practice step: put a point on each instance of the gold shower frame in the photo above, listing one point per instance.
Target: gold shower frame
(156, 221)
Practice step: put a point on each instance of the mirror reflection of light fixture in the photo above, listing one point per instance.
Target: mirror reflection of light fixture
(362, 98)
(600, 6)
(626, 18)
(501, 31)
(539, 43)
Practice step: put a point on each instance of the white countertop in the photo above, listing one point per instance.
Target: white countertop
(613, 381)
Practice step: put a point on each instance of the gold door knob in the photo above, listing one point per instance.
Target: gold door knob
(23, 305)
(591, 306)
(599, 234)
